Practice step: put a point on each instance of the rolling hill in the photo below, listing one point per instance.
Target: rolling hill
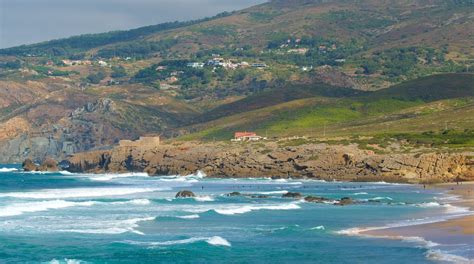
(431, 104)
(286, 67)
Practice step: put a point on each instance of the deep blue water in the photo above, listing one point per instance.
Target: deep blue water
(65, 218)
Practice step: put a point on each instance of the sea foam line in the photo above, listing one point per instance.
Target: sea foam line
(432, 254)
(117, 227)
(215, 241)
(8, 169)
(21, 208)
(79, 193)
(67, 261)
(248, 208)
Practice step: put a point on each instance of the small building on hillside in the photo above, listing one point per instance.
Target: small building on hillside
(195, 65)
(247, 136)
(102, 63)
(259, 65)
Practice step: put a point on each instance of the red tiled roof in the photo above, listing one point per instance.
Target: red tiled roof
(244, 134)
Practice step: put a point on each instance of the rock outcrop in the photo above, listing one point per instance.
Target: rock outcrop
(47, 165)
(185, 194)
(29, 165)
(294, 195)
(318, 161)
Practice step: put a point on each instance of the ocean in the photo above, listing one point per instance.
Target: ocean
(133, 218)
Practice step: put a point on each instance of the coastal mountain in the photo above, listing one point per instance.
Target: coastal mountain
(287, 67)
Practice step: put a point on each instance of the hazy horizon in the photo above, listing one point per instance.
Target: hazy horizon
(30, 21)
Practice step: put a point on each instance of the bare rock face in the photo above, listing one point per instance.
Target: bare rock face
(317, 161)
(29, 165)
(47, 165)
(185, 194)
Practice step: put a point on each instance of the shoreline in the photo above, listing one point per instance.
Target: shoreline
(455, 232)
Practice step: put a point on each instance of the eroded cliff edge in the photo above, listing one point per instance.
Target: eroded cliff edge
(269, 159)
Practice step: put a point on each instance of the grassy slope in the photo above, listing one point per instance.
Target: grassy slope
(413, 107)
(383, 23)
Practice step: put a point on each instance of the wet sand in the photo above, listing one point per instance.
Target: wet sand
(452, 232)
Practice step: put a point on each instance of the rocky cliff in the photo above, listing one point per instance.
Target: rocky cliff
(318, 161)
(56, 117)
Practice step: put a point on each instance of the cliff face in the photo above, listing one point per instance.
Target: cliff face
(318, 161)
(55, 117)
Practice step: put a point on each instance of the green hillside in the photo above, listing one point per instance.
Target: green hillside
(400, 110)
(321, 68)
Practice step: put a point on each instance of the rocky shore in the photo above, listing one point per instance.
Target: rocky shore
(272, 159)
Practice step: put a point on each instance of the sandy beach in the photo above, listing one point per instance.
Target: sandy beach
(454, 231)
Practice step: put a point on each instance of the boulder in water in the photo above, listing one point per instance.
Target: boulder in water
(49, 165)
(29, 165)
(185, 194)
(260, 196)
(294, 195)
(345, 201)
(315, 199)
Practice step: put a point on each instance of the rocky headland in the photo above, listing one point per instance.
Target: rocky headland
(276, 160)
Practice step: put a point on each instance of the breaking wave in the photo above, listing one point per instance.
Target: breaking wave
(31, 207)
(8, 169)
(78, 193)
(67, 261)
(215, 241)
(205, 198)
(248, 208)
(117, 227)
(193, 216)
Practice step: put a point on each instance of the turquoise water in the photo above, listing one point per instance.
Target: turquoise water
(67, 218)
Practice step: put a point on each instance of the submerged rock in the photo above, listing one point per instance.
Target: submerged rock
(315, 199)
(185, 194)
(294, 195)
(234, 194)
(345, 201)
(260, 196)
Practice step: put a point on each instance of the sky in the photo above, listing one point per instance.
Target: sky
(31, 21)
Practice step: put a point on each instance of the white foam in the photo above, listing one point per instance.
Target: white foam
(361, 193)
(248, 208)
(199, 174)
(78, 193)
(66, 173)
(382, 198)
(115, 227)
(215, 241)
(452, 209)
(133, 202)
(356, 231)
(218, 241)
(318, 228)
(428, 205)
(274, 192)
(193, 216)
(31, 207)
(67, 261)
(440, 256)
(7, 169)
(205, 198)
